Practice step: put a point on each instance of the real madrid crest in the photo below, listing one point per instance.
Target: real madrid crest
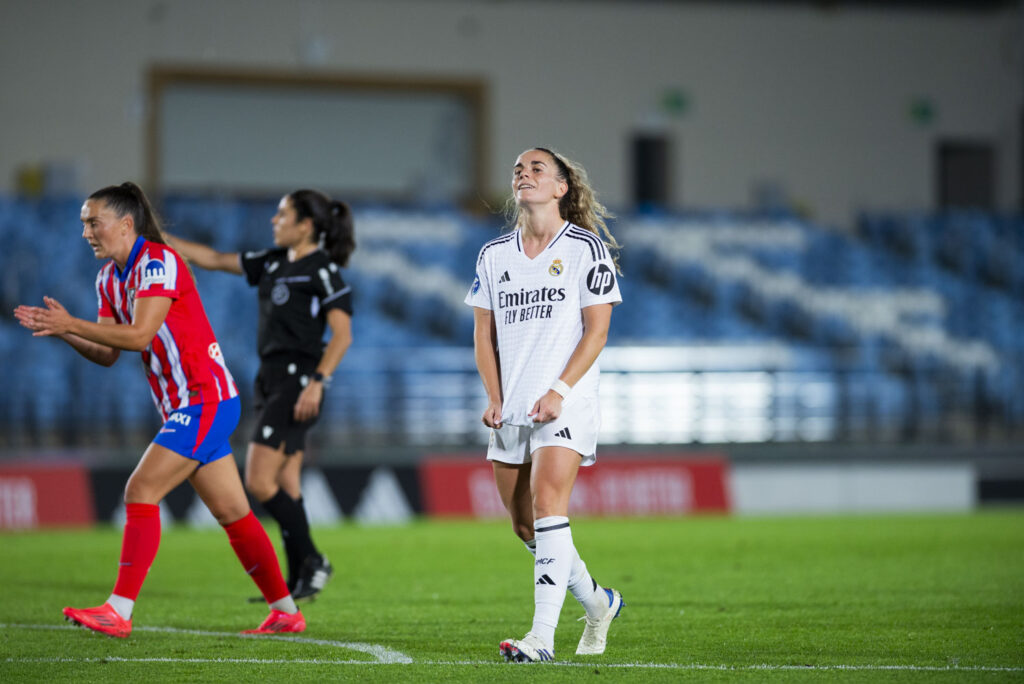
(556, 267)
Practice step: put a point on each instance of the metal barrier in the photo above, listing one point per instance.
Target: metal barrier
(432, 397)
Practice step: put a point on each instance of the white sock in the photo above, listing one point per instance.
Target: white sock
(285, 605)
(555, 554)
(584, 588)
(587, 591)
(123, 606)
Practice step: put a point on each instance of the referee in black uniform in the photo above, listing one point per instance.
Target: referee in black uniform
(301, 292)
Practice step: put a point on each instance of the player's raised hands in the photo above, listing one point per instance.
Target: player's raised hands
(54, 319)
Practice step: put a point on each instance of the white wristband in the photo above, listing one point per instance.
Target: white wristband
(560, 388)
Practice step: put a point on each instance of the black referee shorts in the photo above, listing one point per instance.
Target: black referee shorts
(278, 385)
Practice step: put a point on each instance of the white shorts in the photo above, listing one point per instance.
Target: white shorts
(575, 429)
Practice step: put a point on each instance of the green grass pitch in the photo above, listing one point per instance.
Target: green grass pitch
(844, 598)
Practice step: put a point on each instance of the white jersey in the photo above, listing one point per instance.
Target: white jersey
(536, 306)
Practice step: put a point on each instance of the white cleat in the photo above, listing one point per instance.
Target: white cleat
(529, 649)
(595, 634)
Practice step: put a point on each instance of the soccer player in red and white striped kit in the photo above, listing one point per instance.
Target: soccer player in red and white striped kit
(148, 303)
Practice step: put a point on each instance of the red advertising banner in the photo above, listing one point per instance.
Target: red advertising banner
(44, 495)
(641, 484)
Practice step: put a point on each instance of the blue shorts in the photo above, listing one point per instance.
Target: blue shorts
(201, 432)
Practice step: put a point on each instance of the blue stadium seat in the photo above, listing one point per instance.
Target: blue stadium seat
(807, 287)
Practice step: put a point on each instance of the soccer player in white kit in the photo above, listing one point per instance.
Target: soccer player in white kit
(543, 297)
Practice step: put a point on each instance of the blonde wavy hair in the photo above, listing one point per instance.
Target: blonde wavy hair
(579, 205)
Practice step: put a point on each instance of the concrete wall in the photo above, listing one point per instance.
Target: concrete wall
(815, 101)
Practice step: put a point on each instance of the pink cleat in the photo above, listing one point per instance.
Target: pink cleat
(278, 621)
(103, 619)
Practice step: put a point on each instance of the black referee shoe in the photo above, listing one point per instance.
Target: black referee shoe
(313, 576)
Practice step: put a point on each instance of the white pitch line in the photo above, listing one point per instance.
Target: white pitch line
(386, 656)
(383, 654)
(201, 661)
(498, 663)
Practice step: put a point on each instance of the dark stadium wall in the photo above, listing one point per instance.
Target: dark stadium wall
(368, 493)
(680, 482)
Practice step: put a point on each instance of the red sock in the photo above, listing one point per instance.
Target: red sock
(138, 548)
(253, 548)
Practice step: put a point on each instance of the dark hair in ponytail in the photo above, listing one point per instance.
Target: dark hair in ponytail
(128, 198)
(333, 226)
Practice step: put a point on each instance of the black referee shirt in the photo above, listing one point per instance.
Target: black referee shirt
(294, 299)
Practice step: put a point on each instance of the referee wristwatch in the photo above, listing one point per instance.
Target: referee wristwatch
(317, 376)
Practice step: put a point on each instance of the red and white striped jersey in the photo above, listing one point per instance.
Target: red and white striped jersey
(184, 364)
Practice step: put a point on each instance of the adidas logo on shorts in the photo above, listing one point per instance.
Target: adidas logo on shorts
(563, 433)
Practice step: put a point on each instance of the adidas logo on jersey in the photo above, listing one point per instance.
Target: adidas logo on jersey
(504, 278)
(563, 433)
(544, 579)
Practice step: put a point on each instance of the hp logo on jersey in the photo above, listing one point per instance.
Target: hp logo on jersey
(600, 280)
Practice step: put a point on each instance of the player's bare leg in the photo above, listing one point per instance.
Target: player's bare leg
(220, 487)
(513, 483)
(158, 472)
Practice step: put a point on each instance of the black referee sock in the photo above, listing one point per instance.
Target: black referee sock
(305, 541)
(291, 517)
